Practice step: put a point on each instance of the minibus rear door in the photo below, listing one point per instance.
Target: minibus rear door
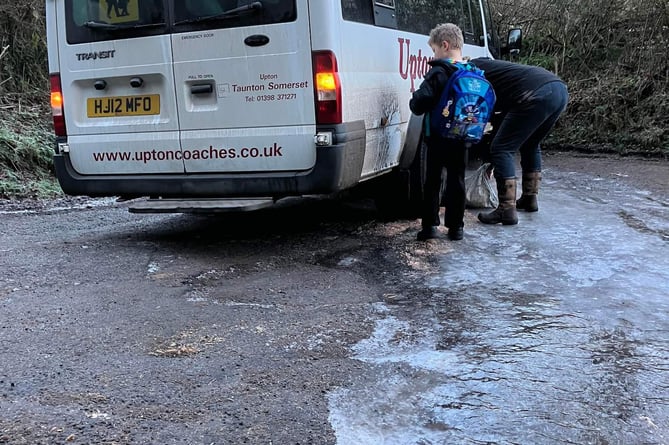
(243, 78)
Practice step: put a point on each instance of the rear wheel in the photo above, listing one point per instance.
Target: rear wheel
(398, 194)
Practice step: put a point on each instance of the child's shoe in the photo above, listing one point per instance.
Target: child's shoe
(456, 233)
(427, 233)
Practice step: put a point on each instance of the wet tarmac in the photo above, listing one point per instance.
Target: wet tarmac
(554, 331)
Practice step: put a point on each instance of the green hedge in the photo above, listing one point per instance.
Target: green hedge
(614, 56)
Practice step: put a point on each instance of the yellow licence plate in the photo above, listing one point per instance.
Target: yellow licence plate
(123, 106)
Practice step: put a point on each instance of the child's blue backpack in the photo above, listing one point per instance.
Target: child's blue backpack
(465, 107)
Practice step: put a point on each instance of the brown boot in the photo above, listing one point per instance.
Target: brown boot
(505, 212)
(528, 200)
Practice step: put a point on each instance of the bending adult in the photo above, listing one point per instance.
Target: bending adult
(531, 100)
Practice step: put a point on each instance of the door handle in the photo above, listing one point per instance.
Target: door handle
(256, 40)
(206, 88)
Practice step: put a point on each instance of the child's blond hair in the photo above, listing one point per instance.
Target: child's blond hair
(448, 32)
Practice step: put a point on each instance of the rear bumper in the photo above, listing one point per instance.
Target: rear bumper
(337, 167)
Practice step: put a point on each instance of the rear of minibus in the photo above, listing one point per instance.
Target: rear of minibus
(195, 98)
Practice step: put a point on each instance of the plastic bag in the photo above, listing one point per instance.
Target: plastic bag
(480, 188)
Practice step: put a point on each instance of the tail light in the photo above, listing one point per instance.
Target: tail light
(327, 88)
(57, 105)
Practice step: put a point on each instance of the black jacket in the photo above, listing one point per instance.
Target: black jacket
(514, 83)
(426, 97)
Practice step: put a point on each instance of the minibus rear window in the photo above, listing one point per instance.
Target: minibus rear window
(99, 20)
(212, 14)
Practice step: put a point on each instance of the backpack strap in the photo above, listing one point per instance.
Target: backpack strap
(462, 65)
(465, 65)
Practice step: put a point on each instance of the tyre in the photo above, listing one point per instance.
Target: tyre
(398, 194)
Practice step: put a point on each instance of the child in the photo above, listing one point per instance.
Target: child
(123, 6)
(446, 41)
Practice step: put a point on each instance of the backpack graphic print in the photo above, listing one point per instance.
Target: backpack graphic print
(465, 107)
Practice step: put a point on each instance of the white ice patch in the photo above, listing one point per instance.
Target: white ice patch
(394, 341)
(153, 268)
(252, 305)
(395, 406)
(568, 244)
(347, 262)
(98, 415)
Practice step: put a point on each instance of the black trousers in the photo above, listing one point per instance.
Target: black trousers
(453, 156)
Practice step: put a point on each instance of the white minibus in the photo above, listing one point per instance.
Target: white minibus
(201, 99)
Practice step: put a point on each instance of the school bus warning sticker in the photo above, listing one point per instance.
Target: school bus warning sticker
(119, 11)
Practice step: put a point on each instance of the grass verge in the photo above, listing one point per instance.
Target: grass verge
(26, 147)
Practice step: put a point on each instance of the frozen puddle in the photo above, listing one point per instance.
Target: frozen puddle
(552, 331)
(395, 406)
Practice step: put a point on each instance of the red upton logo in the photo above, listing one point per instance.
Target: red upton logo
(412, 66)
